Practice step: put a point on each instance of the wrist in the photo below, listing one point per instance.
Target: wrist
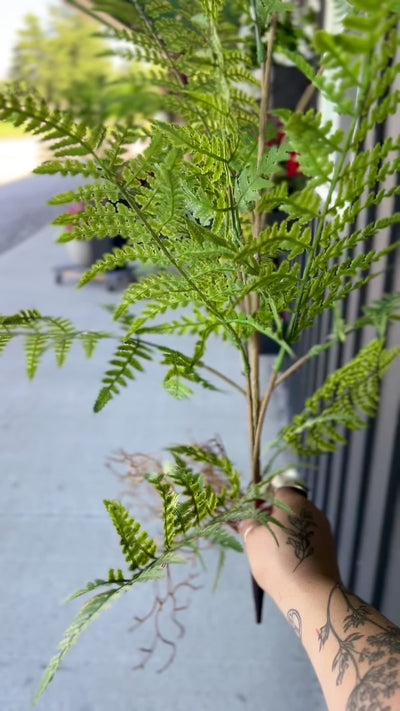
(308, 591)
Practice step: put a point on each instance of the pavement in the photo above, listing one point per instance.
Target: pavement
(23, 205)
(18, 157)
(55, 534)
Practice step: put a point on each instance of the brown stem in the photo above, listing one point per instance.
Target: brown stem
(254, 358)
(287, 373)
(258, 222)
(260, 421)
(307, 95)
(265, 90)
(222, 377)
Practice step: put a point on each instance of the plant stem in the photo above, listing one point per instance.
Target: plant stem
(258, 221)
(263, 409)
(307, 95)
(257, 33)
(293, 368)
(266, 90)
(86, 10)
(222, 377)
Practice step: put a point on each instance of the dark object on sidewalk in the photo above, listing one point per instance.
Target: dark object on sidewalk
(114, 280)
(117, 278)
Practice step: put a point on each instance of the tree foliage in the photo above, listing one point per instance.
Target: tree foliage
(64, 61)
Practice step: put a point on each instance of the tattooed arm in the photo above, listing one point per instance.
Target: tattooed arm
(354, 650)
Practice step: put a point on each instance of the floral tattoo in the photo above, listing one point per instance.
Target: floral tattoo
(300, 532)
(373, 658)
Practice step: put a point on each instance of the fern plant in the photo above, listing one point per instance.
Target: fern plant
(198, 204)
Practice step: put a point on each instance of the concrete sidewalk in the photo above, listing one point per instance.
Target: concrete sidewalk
(55, 534)
(18, 157)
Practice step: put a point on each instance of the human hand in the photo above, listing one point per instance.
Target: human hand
(299, 571)
(299, 554)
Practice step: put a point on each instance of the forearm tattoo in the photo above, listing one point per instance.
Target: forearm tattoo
(294, 619)
(374, 658)
(300, 532)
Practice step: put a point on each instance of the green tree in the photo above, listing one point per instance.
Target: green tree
(63, 59)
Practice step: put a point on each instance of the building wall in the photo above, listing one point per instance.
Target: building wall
(359, 486)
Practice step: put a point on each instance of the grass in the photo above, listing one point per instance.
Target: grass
(7, 130)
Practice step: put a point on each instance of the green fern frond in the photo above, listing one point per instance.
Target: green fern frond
(101, 220)
(96, 192)
(273, 198)
(140, 167)
(335, 243)
(35, 345)
(124, 362)
(61, 333)
(69, 166)
(279, 284)
(168, 201)
(119, 257)
(326, 289)
(138, 548)
(302, 205)
(120, 137)
(367, 168)
(90, 340)
(368, 29)
(346, 395)
(301, 63)
(170, 501)
(90, 610)
(315, 144)
(333, 276)
(335, 56)
(167, 289)
(43, 332)
(93, 608)
(201, 500)
(380, 312)
(66, 136)
(89, 587)
(220, 535)
(209, 154)
(5, 338)
(115, 576)
(196, 324)
(224, 464)
(181, 368)
(22, 318)
(252, 178)
(285, 236)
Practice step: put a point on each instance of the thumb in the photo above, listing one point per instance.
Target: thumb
(246, 526)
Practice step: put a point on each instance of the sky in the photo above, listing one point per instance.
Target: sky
(12, 14)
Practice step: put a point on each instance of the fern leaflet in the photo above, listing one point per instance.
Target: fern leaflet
(124, 362)
(347, 393)
(136, 545)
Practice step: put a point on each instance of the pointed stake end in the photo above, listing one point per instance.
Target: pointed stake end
(258, 597)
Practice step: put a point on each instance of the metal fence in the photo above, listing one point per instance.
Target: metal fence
(359, 486)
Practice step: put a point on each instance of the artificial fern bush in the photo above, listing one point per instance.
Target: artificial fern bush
(199, 204)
